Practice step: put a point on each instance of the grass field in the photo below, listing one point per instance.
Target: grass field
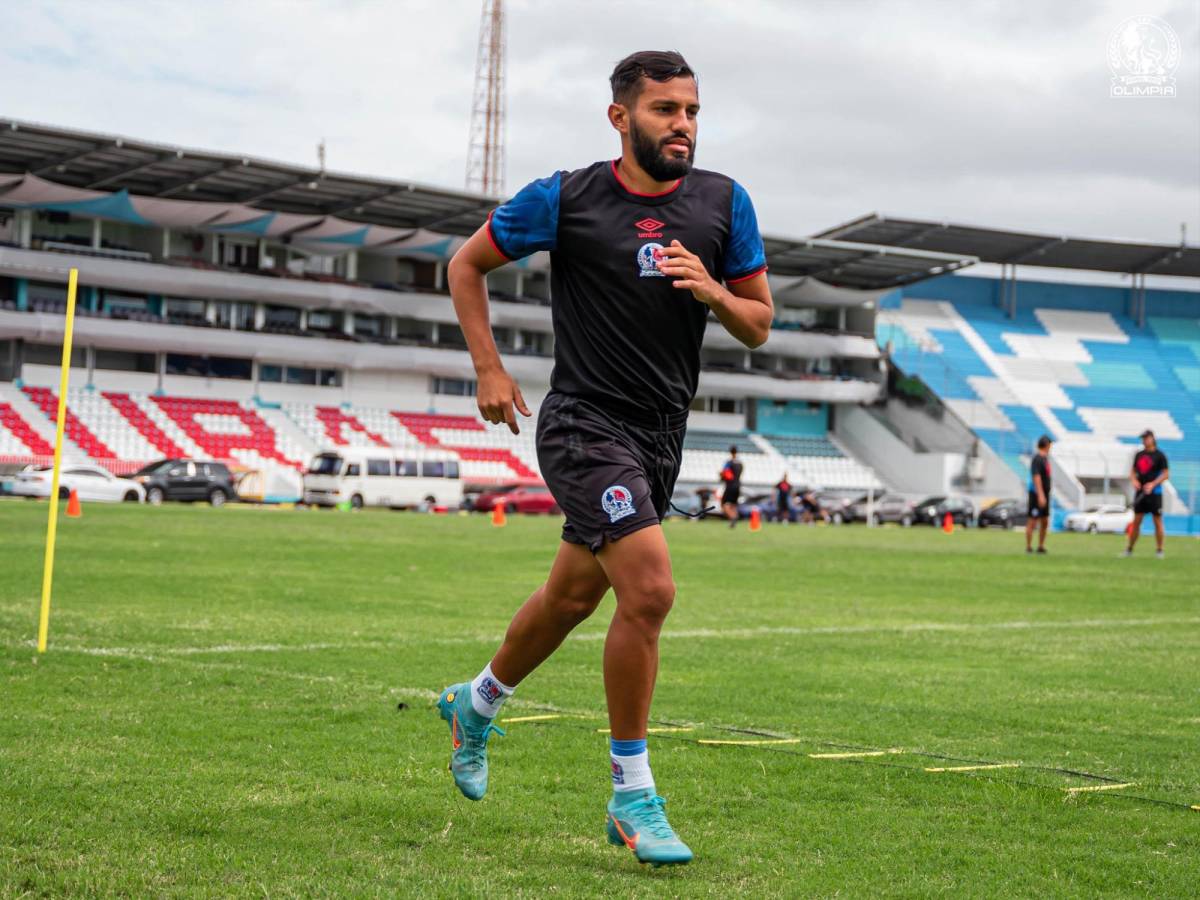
(218, 712)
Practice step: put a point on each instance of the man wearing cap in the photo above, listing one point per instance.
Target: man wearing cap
(1147, 475)
(1039, 495)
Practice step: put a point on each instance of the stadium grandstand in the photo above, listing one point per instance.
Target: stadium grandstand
(258, 313)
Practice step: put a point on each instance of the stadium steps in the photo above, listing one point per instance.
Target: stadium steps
(38, 420)
(17, 438)
(24, 410)
(292, 441)
(1098, 376)
(469, 438)
(105, 420)
(151, 433)
(225, 429)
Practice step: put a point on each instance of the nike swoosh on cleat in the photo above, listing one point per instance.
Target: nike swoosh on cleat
(454, 738)
(630, 842)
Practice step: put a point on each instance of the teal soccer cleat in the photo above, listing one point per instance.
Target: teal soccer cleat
(469, 733)
(637, 820)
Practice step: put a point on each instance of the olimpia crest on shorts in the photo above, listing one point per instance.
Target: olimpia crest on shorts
(617, 501)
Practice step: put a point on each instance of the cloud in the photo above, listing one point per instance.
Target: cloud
(992, 113)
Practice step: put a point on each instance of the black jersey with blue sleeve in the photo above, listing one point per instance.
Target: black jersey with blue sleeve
(624, 337)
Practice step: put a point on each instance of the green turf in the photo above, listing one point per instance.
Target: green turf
(218, 712)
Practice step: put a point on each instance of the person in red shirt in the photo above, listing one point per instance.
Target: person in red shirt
(731, 479)
(1147, 475)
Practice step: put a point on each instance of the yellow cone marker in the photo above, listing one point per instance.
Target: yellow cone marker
(52, 525)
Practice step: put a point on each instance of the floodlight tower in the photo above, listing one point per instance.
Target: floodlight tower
(485, 147)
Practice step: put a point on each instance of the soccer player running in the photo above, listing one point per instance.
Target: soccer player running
(731, 478)
(1039, 495)
(1147, 475)
(639, 249)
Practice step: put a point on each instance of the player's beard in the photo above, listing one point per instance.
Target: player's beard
(654, 162)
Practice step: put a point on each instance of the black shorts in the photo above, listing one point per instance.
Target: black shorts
(1148, 504)
(610, 473)
(1035, 511)
(731, 494)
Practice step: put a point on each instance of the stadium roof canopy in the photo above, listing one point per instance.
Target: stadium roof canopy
(107, 163)
(857, 265)
(1022, 248)
(140, 181)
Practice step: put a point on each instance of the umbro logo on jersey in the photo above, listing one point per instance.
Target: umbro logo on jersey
(649, 228)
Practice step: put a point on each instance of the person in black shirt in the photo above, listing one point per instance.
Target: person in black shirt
(1147, 475)
(1039, 495)
(731, 479)
(783, 500)
(642, 250)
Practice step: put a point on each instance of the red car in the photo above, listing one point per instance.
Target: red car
(487, 499)
(530, 499)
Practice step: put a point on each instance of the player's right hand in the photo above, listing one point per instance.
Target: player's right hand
(497, 394)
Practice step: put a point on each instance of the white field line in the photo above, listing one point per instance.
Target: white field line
(680, 634)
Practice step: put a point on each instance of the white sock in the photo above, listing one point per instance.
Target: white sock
(631, 766)
(488, 694)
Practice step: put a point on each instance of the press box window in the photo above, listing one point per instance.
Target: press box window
(454, 387)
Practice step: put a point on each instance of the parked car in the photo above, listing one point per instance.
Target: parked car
(1107, 518)
(686, 503)
(188, 480)
(764, 503)
(534, 498)
(1004, 514)
(485, 500)
(932, 510)
(884, 508)
(90, 482)
(835, 506)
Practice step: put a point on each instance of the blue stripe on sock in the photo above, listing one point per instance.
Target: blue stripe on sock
(627, 748)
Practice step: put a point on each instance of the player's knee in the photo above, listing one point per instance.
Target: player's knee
(651, 598)
(572, 605)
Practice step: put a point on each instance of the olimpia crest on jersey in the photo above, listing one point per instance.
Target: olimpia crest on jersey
(648, 256)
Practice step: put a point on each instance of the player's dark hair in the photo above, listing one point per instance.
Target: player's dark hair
(1043, 442)
(657, 65)
(733, 450)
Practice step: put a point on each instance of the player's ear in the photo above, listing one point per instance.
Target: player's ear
(618, 117)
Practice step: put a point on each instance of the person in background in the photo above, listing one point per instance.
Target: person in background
(1039, 495)
(810, 508)
(731, 478)
(1147, 475)
(783, 500)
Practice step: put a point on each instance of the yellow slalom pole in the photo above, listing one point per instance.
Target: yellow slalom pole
(52, 526)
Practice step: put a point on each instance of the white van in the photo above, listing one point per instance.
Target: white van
(370, 476)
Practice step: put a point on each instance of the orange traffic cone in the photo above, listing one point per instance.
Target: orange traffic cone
(74, 510)
(948, 523)
(499, 520)
(755, 520)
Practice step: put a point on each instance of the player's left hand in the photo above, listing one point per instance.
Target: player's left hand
(689, 273)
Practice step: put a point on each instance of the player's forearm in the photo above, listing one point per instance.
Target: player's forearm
(746, 319)
(468, 291)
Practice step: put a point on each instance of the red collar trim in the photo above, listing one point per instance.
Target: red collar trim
(628, 189)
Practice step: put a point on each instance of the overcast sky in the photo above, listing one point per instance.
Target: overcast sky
(989, 112)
